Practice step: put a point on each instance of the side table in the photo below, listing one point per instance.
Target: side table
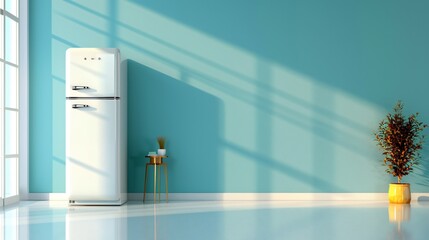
(156, 160)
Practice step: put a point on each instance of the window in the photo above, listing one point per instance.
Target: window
(9, 99)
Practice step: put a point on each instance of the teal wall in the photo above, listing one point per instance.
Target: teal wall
(251, 95)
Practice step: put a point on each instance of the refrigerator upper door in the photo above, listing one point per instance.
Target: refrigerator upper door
(92, 72)
(92, 150)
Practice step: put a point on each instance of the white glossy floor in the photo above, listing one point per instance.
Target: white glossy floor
(217, 220)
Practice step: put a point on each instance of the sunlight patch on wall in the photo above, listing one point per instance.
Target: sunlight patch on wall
(58, 115)
(186, 41)
(58, 137)
(80, 23)
(278, 124)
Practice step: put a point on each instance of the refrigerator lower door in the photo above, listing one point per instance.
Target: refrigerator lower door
(92, 150)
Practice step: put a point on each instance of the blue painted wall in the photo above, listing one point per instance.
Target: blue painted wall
(252, 96)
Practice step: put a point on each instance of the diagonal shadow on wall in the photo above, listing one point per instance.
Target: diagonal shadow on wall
(162, 106)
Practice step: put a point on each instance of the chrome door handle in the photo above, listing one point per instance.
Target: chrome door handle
(80, 106)
(79, 87)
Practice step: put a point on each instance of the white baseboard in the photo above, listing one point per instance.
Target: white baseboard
(242, 196)
(275, 196)
(44, 197)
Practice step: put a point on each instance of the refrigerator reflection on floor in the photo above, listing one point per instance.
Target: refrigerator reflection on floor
(104, 223)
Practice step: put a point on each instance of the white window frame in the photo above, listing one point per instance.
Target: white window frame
(22, 108)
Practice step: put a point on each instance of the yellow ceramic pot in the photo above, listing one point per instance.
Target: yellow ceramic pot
(399, 193)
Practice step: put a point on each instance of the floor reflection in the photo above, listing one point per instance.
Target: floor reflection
(92, 223)
(399, 214)
(216, 220)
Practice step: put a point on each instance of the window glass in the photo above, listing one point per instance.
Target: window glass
(11, 38)
(11, 132)
(12, 7)
(11, 87)
(1, 86)
(11, 171)
(1, 37)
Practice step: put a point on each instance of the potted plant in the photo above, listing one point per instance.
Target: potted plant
(400, 138)
(161, 144)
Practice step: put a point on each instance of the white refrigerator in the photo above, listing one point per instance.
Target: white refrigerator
(96, 127)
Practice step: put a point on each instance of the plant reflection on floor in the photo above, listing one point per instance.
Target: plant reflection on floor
(399, 213)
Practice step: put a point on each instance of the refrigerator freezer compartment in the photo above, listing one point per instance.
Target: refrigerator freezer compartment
(92, 72)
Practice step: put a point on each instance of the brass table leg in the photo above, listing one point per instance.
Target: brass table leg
(166, 180)
(145, 180)
(154, 183)
(159, 183)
